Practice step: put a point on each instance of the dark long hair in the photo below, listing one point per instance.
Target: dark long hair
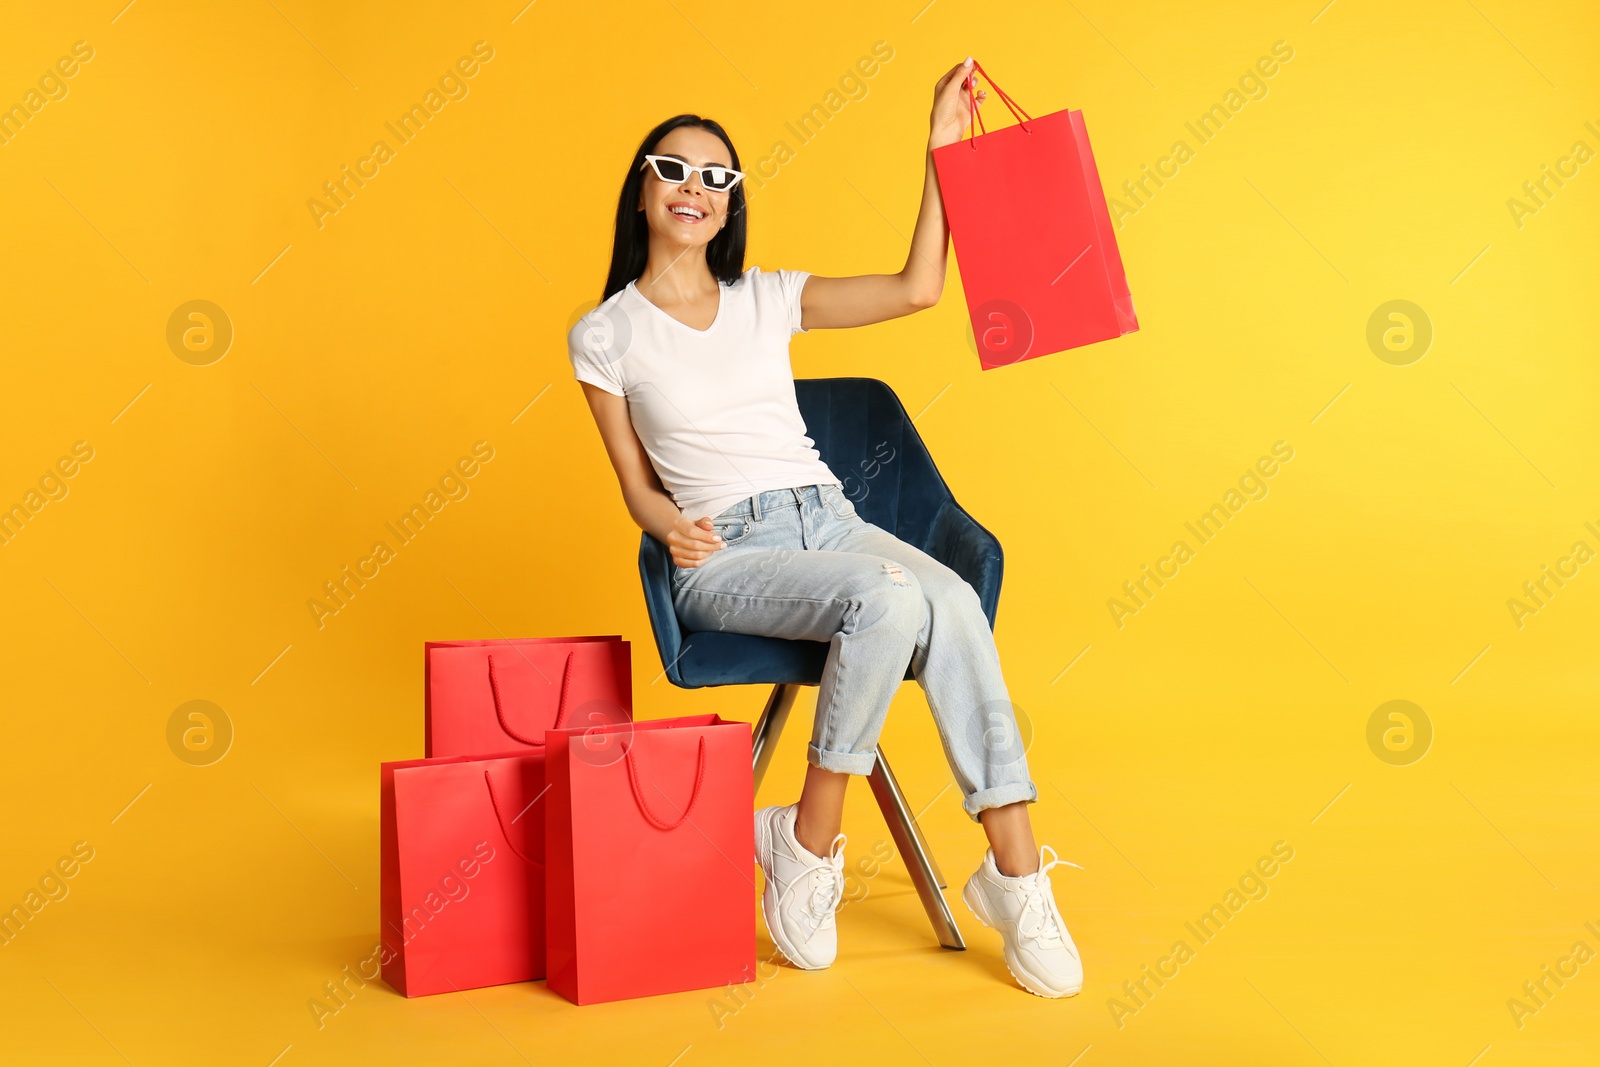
(630, 248)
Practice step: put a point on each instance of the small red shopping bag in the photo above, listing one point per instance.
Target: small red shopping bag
(650, 845)
(1033, 237)
(462, 885)
(494, 696)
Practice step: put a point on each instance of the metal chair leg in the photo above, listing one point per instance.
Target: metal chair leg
(908, 839)
(922, 839)
(764, 739)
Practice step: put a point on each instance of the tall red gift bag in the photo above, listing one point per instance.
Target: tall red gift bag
(462, 884)
(495, 696)
(1033, 237)
(650, 852)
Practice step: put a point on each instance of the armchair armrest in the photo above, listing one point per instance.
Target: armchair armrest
(655, 570)
(961, 544)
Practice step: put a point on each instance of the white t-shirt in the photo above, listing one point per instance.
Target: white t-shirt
(715, 408)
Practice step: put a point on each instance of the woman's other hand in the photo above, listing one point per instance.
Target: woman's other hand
(951, 111)
(691, 541)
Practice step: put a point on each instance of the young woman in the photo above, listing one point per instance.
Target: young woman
(685, 364)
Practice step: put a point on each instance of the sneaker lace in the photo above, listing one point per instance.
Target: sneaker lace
(827, 883)
(1040, 918)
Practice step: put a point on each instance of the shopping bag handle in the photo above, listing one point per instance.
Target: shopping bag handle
(975, 120)
(638, 793)
(500, 820)
(561, 703)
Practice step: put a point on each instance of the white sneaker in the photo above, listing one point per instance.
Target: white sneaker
(1039, 951)
(803, 890)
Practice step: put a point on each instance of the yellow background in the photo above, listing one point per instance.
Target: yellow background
(428, 314)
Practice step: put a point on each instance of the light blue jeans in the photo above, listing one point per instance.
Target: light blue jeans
(801, 564)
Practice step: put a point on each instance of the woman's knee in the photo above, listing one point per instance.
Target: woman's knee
(887, 591)
(897, 574)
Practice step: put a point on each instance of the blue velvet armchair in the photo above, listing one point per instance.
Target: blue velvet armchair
(863, 433)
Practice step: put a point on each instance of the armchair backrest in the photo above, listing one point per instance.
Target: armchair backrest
(865, 437)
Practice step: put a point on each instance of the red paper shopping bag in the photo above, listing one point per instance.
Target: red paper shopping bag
(650, 845)
(1033, 238)
(462, 884)
(494, 696)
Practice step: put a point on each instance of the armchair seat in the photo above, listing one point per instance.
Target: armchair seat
(713, 658)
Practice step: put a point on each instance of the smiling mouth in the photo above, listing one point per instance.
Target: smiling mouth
(687, 213)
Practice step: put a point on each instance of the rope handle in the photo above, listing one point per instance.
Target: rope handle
(974, 119)
(500, 820)
(638, 794)
(561, 703)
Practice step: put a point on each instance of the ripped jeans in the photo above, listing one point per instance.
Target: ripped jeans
(801, 564)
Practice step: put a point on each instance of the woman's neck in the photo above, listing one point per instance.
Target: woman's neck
(676, 274)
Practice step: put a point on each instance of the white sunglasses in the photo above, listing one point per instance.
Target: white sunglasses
(718, 179)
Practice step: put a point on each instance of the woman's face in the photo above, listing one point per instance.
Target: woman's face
(659, 199)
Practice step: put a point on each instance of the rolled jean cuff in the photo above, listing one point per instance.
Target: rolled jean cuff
(842, 762)
(998, 797)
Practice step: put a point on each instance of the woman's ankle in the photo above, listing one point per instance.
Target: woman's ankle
(815, 840)
(1019, 865)
(819, 813)
(1010, 835)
